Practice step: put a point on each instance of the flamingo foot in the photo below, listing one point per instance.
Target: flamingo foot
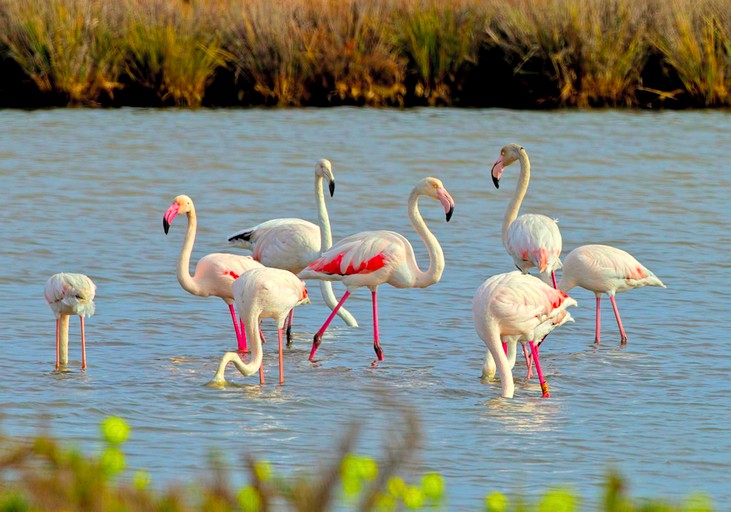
(379, 352)
(316, 340)
(544, 388)
(597, 342)
(623, 341)
(289, 335)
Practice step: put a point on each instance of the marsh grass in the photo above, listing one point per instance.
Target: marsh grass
(552, 53)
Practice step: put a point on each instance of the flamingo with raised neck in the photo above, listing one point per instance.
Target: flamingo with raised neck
(371, 258)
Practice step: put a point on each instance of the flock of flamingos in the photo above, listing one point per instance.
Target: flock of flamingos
(508, 308)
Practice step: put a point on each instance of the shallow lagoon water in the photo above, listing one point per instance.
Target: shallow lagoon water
(85, 190)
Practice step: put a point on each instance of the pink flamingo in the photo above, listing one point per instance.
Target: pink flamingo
(69, 294)
(214, 273)
(262, 293)
(371, 258)
(516, 307)
(292, 244)
(604, 269)
(532, 240)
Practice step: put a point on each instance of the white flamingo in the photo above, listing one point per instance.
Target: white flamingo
(69, 294)
(371, 258)
(516, 307)
(605, 269)
(532, 240)
(292, 244)
(214, 273)
(262, 293)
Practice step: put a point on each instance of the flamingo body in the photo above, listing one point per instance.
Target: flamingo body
(534, 241)
(603, 269)
(372, 258)
(214, 273)
(69, 294)
(262, 293)
(516, 307)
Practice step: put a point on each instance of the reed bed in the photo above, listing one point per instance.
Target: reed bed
(521, 53)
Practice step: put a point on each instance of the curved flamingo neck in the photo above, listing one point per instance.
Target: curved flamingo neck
(326, 238)
(520, 189)
(436, 257)
(251, 321)
(183, 270)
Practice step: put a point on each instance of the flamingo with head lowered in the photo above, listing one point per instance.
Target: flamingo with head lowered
(292, 244)
(214, 273)
(605, 269)
(262, 293)
(371, 258)
(532, 240)
(69, 294)
(515, 307)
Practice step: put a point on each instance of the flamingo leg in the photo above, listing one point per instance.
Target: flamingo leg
(505, 348)
(290, 319)
(623, 338)
(242, 330)
(281, 357)
(240, 333)
(318, 335)
(261, 336)
(528, 361)
(544, 384)
(553, 278)
(376, 335)
(83, 343)
(58, 343)
(598, 335)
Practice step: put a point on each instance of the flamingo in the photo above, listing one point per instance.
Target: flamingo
(605, 269)
(292, 244)
(371, 258)
(262, 293)
(69, 294)
(214, 273)
(532, 240)
(516, 307)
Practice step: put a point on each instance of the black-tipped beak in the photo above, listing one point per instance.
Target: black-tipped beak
(449, 213)
(165, 225)
(331, 186)
(496, 181)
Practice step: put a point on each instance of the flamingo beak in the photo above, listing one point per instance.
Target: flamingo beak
(497, 171)
(170, 214)
(331, 186)
(447, 202)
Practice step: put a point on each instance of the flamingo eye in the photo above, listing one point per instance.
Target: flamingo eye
(522, 148)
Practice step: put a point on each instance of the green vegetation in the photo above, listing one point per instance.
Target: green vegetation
(515, 53)
(39, 474)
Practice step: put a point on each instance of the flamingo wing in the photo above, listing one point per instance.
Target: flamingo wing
(615, 265)
(535, 239)
(362, 253)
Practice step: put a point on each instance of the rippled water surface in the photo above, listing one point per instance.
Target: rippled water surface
(85, 190)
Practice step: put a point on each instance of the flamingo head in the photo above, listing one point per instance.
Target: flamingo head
(434, 188)
(181, 204)
(508, 154)
(305, 299)
(324, 169)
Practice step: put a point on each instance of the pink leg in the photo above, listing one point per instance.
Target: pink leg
(528, 361)
(262, 381)
(290, 319)
(544, 384)
(376, 336)
(58, 343)
(240, 334)
(281, 358)
(318, 335)
(242, 330)
(623, 338)
(598, 335)
(83, 344)
(553, 278)
(505, 348)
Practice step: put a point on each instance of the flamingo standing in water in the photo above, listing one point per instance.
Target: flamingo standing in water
(292, 244)
(605, 269)
(214, 273)
(262, 293)
(69, 294)
(371, 258)
(516, 307)
(532, 240)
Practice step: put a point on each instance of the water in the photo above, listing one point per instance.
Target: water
(85, 190)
